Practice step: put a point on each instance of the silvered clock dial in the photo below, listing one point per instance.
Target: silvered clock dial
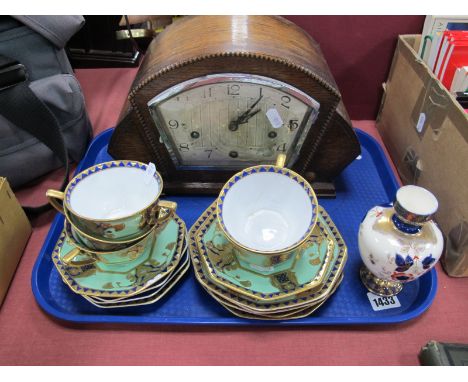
(231, 121)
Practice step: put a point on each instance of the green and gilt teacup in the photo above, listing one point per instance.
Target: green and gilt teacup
(267, 212)
(81, 254)
(114, 201)
(92, 243)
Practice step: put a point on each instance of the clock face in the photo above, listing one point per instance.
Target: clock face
(231, 121)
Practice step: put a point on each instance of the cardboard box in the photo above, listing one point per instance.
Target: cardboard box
(426, 133)
(14, 234)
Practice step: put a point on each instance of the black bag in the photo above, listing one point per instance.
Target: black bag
(43, 120)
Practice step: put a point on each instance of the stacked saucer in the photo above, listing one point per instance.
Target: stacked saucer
(161, 262)
(293, 291)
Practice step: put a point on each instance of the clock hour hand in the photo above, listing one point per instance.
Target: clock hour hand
(244, 117)
(234, 125)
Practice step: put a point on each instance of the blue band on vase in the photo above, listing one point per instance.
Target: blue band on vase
(405, 227)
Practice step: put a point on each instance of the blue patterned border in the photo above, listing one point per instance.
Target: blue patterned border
(104, 166)
(273, 169)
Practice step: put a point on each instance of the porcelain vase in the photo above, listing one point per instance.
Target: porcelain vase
(399, 242)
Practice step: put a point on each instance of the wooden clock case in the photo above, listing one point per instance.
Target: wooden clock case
(269, 46)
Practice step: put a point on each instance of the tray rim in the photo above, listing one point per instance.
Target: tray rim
(310, 321)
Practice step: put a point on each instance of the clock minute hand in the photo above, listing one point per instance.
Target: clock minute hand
(247, 114)
(244, 117)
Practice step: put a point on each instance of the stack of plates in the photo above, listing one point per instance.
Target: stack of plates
(289, 294)
(142, 281)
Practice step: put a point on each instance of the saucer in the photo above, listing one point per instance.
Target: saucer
(293, 314)
(306, 274)
(153, 287)
(123, 280)
(154, 291)
(303, 299)
(148, 298)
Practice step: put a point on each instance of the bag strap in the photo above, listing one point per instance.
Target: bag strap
(21, 106)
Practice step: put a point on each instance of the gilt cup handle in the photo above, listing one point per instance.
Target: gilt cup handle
(159, 214)
(166, 211)
(56, 199)
(68, 259)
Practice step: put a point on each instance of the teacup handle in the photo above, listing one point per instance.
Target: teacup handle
(56, 199)
(68, 259)
(165, 211)
(159, 214)
(280, 160)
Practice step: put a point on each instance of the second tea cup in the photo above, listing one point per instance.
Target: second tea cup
(83, 255)
(99, 244)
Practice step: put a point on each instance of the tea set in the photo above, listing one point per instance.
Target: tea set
(264, 249)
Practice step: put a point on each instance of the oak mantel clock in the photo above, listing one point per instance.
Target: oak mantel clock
(216, 94)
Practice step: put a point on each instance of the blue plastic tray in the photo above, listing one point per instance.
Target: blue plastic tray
(368, 181)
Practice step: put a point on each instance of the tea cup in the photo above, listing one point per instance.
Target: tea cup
(113, 201)
(82, 255)
(92, 243)
(267, 212)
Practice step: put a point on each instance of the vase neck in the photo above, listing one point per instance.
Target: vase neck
(405, 226)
